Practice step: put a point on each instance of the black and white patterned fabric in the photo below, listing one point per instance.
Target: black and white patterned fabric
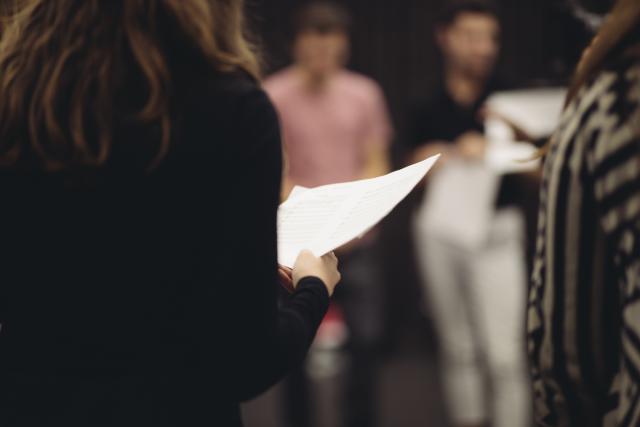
(584, 301)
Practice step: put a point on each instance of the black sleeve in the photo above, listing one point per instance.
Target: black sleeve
(265, 341)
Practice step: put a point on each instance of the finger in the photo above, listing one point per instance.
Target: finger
(282, 275)
(285, 270)
(284, 279)
(331, 255)
(331, 259)
(286, 282)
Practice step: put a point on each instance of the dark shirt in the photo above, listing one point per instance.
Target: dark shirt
(439, 118)
(149, 299)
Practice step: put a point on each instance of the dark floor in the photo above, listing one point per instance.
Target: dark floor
(408, 395)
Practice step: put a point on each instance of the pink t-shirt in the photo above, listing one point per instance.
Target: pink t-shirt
(327, 134)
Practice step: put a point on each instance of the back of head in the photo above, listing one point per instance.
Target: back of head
(62, 62)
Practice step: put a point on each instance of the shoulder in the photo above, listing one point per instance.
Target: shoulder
(614, 92)
(606, 115)
(359, 85)
(281, 83)
(236, 93)
(255, 113)
(227, 104)
(240, 87)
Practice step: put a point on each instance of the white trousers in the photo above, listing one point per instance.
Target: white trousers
(477, 299)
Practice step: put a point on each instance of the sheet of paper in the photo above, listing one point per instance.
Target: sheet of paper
(324, 218)
(297, 191)
(512, 157)
(535, 111)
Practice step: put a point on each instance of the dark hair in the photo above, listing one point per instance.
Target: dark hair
(322, 17)
(454, 8)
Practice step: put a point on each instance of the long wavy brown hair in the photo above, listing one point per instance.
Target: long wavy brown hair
(621, 23)
(59, 63)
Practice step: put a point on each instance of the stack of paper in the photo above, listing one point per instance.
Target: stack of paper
(535, 111)
(512, 157)
(325, 218)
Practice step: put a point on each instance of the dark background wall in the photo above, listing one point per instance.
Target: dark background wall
(393, 43)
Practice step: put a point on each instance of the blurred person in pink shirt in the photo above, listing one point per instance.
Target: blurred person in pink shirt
(336, 128)
(335, 122)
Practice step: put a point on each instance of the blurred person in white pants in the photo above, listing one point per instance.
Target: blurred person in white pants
(336, 128)
(471, 254)
(476, 298)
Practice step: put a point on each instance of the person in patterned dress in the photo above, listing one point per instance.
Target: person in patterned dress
(584, 302)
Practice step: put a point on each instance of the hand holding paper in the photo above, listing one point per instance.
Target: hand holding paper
(325, 218)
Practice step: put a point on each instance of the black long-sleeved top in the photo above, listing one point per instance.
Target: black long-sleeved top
(130, 298)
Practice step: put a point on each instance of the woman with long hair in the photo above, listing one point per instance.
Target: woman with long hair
(584, 304)
(140, 169)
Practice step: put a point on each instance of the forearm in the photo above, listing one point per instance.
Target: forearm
(301, 314)
(297, 322)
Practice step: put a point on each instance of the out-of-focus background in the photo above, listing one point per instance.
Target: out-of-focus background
(392, 42)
